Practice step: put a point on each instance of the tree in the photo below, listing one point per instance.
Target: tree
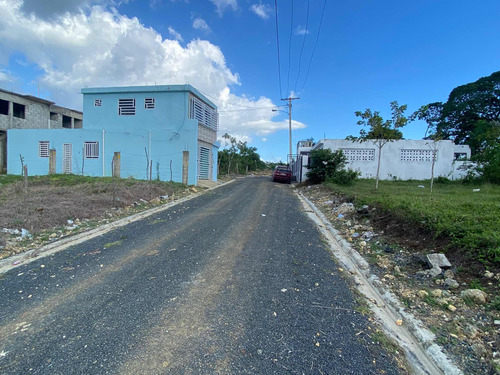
(468, 104)
(381, 132)
(324, 163)
(431, 114)
(488, 155)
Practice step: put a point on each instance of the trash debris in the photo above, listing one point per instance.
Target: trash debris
(284, 290)
(399, 322)
(421, 186)
(263, 215)
(476, 190)
(438, 260)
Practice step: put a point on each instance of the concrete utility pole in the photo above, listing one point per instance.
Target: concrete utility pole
(289, 99)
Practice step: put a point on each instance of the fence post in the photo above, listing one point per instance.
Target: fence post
(52, 161)
(116, 164)
(185, 167)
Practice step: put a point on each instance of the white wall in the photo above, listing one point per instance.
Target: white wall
(405, 159)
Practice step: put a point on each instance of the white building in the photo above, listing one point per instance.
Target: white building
(403, 159)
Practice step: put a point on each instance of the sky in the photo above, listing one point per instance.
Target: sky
(338, 57)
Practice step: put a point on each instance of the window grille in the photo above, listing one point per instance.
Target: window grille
(91, 150)
(126, 107)
(416, 155)
(359, 154)
(202, 112)
(97, 102)
(43, 149)
(149, 103)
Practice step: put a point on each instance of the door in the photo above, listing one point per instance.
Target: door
(67, 157)
(204, 163)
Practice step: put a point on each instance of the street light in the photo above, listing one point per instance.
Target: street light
(289, 128)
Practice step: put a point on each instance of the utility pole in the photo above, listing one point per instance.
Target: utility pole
(289, 99)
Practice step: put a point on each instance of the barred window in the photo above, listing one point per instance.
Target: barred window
(359, 154)
(126, 107)
(97, 102)
(202, 112)
(149, 103)
(91, 150)
(416, 155)
(43, 149)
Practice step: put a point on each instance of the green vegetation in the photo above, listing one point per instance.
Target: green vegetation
(326, 165)
(237, 157)
(111, 244)
(471, 220)
(381, 132)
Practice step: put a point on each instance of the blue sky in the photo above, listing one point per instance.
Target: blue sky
(368, 53)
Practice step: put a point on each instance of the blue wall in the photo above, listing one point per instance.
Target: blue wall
(163, 133)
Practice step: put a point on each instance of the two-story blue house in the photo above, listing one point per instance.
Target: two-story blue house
(158, 131)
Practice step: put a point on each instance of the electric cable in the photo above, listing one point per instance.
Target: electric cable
(315, 45)
(290, 52)
(302, 48)
(278, 45)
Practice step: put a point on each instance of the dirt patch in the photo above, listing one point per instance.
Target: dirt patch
(395, 250)
(54, 207)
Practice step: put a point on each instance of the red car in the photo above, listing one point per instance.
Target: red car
(282, 174)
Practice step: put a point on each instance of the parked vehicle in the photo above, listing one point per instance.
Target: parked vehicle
(282, 174)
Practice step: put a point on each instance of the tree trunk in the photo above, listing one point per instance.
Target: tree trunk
(378, 166)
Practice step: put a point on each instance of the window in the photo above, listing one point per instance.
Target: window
(149, 103)
(202, 112)
(43, 149)
(416, 155)
(66, 122)
(359, 154)
(4, 107)
(97, 102)
(19, 110)
(126, 107)
(91, 150)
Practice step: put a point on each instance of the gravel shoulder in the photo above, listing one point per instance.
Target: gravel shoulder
(462, 320)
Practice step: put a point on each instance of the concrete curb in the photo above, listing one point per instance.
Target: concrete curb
(423, 354)
(31, 255)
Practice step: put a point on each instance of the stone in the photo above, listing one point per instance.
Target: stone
(489, 274)
(397, 269)
(451, 308)
(362, 243)
(437, 293)
(422, 294)
(451, 283)
(476, 295)
(419, 259)
(479, 349)
(471, 331)
(448, 274)
(438, 260)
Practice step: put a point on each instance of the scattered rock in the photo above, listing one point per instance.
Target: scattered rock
(471, 331)
(479, 349)
(433, 272)
(448, 274)
(489, 274)
(422, 294)
(451, 308)
(476, 295)
(345, 208)
(437, 293)
(389, 250)
(451, 283)
(438, 260)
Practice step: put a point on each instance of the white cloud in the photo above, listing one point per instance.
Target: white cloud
(175, 34)
(200, 24)
(221, 5)
(5, 76)
(72, 52)
(301, 30)
(262, 10)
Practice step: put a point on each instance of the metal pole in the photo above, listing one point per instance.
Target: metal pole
(289, 99)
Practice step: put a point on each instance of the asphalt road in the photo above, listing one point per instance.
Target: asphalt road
(235, 281)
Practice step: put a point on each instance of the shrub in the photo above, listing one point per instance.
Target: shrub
(344, 177)
(324, 163)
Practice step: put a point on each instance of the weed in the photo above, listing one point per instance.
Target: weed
(495, 304)
(476, 284)
(111, 244)
(380, 338)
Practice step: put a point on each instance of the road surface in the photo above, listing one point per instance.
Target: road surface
(235, 281)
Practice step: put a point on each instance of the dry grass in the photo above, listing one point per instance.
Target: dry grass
(51, 201)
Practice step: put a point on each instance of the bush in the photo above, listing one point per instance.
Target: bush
(442, 180)
(344, 177)
(324, 164)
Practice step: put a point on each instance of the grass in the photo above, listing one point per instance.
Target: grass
(470, 220)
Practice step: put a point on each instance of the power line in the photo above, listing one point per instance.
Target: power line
(315, 44)
(303, 43)
(252, 109)
(278, 44)
(290, 53)
(234, 104)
